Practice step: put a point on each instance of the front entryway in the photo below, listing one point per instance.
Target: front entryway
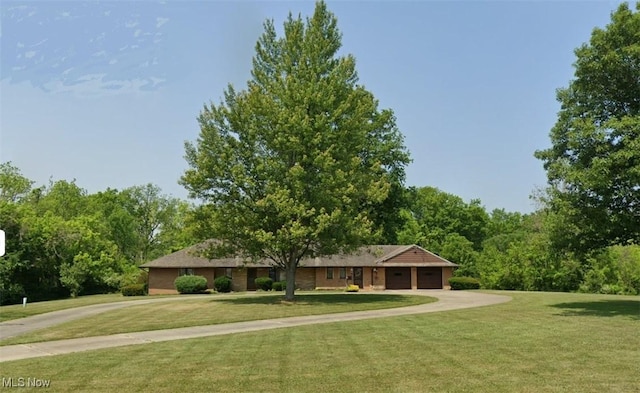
(357, 277)
(252, 274)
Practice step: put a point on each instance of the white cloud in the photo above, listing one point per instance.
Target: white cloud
(95, 85)
(18, 68)
(20, 45)
(113, 61)
(39, 43)
(29, 54)
(161, 21)
(131, 24)
(156, 81)
(137, 33)
(100, 53)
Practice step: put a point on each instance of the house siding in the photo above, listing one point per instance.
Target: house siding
(323, 283)
(378, 278)
(161, 281)
(207, 273)
(239, 280)
(306, 278)
(447, 273)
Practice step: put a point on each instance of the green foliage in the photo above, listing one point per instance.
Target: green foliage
(64, 241)
(593, 165)
(615, 270)
(13, 186)
(222, 284)
(134, 290)
(190, 284)
(297, 163)
(524, 260)
(433, 215)
(279, 285)
(461, 283)
(352, 288)
(264, 283)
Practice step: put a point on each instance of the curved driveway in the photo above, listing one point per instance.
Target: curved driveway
(447, 300)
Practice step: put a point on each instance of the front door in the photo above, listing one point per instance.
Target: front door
(252, 274)
(357, 276)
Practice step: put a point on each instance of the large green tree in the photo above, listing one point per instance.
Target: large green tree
(295, 165)
(593, 165)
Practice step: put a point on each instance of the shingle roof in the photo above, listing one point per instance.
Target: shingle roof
(377, 255)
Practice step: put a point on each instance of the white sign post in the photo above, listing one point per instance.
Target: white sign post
(1, 243)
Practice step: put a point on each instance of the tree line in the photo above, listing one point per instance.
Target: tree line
(63, 241)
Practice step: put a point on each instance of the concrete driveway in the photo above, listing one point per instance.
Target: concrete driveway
(447, 300)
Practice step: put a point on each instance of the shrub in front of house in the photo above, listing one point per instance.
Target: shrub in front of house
(190, 284)
(352, 288)
(279, 285)
(134, 290)
(222, 284)
(460, 283)
(264, 283)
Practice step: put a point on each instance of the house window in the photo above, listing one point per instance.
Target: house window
(329, 273)
(343, 273)
(186, 272)
(228, 272)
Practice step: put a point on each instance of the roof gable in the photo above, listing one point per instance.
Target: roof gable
(413, 255)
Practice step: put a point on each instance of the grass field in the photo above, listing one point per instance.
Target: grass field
(215, 310)
(539, 342)
(16, 311)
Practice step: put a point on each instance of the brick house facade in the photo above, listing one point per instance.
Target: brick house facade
(371, 268)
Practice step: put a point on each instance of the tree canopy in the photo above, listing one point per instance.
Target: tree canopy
(63, 241)
(296, 164)
(593, 165)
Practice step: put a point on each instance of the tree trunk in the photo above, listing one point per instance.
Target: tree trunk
(291, 280)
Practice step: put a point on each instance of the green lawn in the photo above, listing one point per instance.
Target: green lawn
(16, 311)
(215, 310)
(539, 342)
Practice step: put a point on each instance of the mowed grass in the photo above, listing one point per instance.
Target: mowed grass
(538, 342)
(216, 310)
(16, 311)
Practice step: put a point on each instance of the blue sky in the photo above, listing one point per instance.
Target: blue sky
(107, 92)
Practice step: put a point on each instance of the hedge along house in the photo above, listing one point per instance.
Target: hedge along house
(370, 267)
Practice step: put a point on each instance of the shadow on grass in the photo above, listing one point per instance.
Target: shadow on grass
(316, 299)
(601, 308)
